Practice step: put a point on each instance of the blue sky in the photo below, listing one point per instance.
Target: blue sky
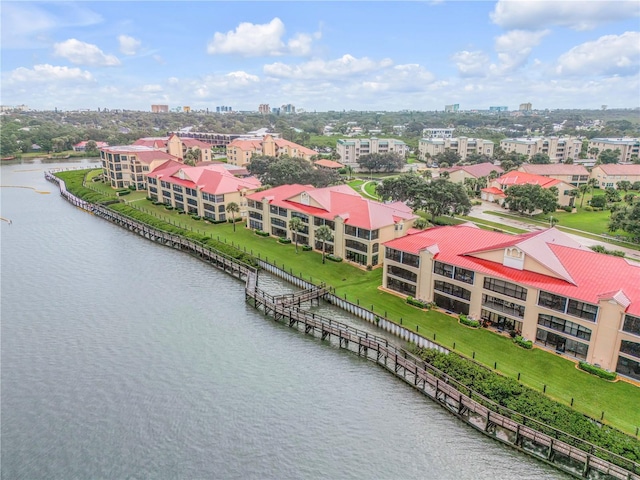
(321, 55)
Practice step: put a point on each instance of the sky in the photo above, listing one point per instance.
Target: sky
(320, 56)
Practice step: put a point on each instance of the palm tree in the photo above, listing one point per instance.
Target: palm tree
(295, 224)
(323, 233)
(233, 208)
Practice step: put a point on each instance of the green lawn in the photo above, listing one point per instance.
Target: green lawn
(537, 368)
(493, 225)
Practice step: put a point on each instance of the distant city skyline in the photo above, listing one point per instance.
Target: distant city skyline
(321, 56)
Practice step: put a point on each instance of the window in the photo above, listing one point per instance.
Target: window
(443, 269)
(565, 326)
(321, 221)
(191, 191)
(360, 232)
(279, 223)
(375, 247)
(192, 201)
(164, 184)
(362, 247)
(254, 204)
(178, 197)
(275, 210)
(256, 215)
(301, 216)
(505, 288)
(451, 289)
(400, 286)
(152, 181)
(402, 257)
(631, 324)
(255, 225)
(504, 306)
(562, 344)
(177, 188)
(209, 207)
(451, 304)
(278, 232)
(582, 310)
(402, 273)
(355, 257)
(628, 367)
(630, 348)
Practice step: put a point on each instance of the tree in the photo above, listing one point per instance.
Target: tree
(287, 170)
(295, 225)
(323, 234)
(624, 185)
(91, 146)
(233, 208)
(441, 197)
(448, 156)
(599, 201)
(540, 159)
(612, 195)
(401, 188)
(421, 223)
(627, 219)
(388, 162)
(594, 152)
(609, 156)
(529, 198)
(192, 156)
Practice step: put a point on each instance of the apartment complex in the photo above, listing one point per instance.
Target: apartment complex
(608, 175)
(479, 170)
(240, 150)
(205, 191)
(128, 165)
(628, 147)
(495, 191)
(177, 146)
(264, 109)
(160, 108)
(82, 146)
(525, 107)
(463, 146)
(559, 149)
(438, 132)
(544, 285)
(575, 175)
(351, 149)
(359, 226)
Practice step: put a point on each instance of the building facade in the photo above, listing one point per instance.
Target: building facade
(351, 149)
(438, 132)
(559, 149)
(160, 108)
(205, 191)
(572, 174)
(525, 107)
(479, 170)
(264, 109)
(240, 151)
(629, 147)
(463, 146)
(128, 165)
(608, 175)
(496, 188)
(359, 226)
(543, 285)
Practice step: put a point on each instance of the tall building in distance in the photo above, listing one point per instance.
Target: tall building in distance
(498, 109)
(224, 109)
(437, 132)
(264, 109)
(525, 107)
(452, 108)
(160, 108)
(288, 108)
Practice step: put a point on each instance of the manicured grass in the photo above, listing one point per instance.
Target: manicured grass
(370, 189)
(537, 368)
(493, 225)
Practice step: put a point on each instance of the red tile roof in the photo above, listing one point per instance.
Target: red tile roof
(522, 178)
(213, 179)
(592, 275)
(153, 142)
(478, 170)
(328, 163)
(340, 200)
(617, 169)
(554, 169)
(494, 191)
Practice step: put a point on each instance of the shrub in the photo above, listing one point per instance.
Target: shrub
(120, 193)
(588, 208)
(132, 188)
(237, 219)
(597, 371)
(262, 233)
(180, 211)
(195, 217)
(284, 240)
(519, 340)
(567, 208)
(168, 207)
(334, 258)
(369, 268)
(468, 322)
(417, 303)
(306, 248)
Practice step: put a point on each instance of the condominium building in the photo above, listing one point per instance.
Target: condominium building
(608, 175)
(543, 285)
(240, 150)
(160, 108)
(351, 149)
(575, 175)
(264, 109)
(359, 226)
(628, 147)
(128, 165)
(463, 146)
(558, 149)
(178, 146)
(437, 132)
(496, 188)
(525, 107)
(479, 170)
(205, 191)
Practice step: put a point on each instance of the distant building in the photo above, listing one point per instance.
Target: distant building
(223, 109)
(437, 132)
(177, 146)
(128, 165)
(608, 175)
(288, 108)
(525, 107)
(463, 146)
(559, 149)
(628, 146)
(275, 110)
(498, 109)
(186, 109)
(13, 108)
(82, 146)
(160, 108)
(240, 150)
(573, 174)
(452, 108)
(461, 173)
(350, 150)
(359, 226)
(495, 191)
(264, 109)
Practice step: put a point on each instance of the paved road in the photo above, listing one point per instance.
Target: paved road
(479, 211)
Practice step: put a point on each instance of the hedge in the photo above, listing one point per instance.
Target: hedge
(284, 240)
(600, 372)
(417, 303)
(519, 340)
(306, 248)
(262, 233)
(468, 322)
(334, 258)
(533, 404)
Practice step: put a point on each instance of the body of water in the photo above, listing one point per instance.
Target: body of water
(123, 359)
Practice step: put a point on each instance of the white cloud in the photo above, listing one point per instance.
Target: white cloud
(82, 53)
(151, 88)
(471, 64)
(46, 73)
(514, 48)
(585, 15)
(345, 66)
(254, 40)
(128, 45)
(609, 55)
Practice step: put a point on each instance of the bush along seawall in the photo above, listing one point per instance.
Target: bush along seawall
(499, 406)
